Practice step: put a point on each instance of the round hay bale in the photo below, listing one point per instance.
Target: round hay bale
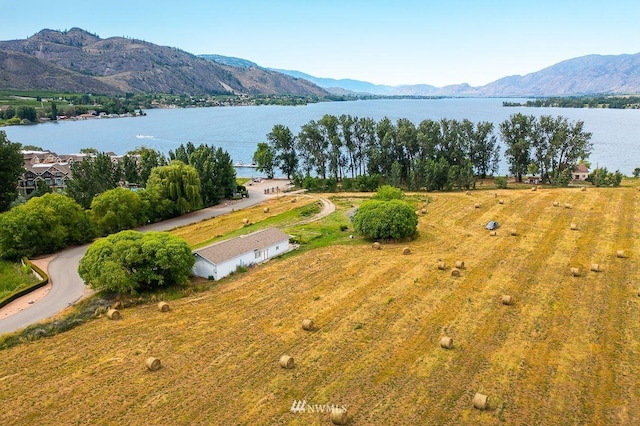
(376, 246)
(460, 264)
(574, 227)
(406, 250)
(266, 210)
(286, 361)
(467, 193)
(567, 205)
(575, 272)
(480, 401)
(513, 232)
(153, 364)
(493, 233)
(595, 267)
(455, 272)
(442, 266)
(620, 254)
(507, 300)
(113, 314)
(446, 342)
(501, 201)
(293, 200)
(163, 307)
(535, 188)
(476, 205)
(307, 324)
(423, 211)
(556, 204)
(584, 188)
(245, 221)
(339, 416)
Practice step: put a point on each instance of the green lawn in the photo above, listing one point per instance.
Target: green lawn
(14, 277)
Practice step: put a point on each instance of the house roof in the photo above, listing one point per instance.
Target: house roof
(581, 168)
(225, 250)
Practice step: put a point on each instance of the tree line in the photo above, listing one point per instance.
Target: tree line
(107, 196)
(433, 155)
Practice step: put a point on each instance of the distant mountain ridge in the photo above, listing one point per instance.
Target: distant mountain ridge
(592, 74)
(76, 60)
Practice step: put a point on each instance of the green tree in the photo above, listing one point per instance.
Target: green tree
(149, 159)
(178, 183)
(91, 177)
(388, 193)
(284, 145)
(264, 157)
(386, 220)
(130, 262)
(516, 133)
(636, 172)
(117, 209)
(43, 225)
(11, 167)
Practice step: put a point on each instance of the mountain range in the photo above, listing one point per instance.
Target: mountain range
(81, 62)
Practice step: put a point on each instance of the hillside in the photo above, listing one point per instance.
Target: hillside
(82, 60)
(564, 353)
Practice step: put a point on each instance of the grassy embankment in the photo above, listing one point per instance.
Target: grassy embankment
(564, 353)
(13, 276)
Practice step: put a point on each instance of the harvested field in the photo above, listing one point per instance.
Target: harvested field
(565, 353)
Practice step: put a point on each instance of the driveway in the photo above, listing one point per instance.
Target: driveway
(67, 286)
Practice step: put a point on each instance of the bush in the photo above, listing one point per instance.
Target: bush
(388, 193)
(386, 220)
(501, 182)
(131, 261)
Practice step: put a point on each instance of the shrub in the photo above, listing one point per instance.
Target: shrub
(386, 220)
(501, 182)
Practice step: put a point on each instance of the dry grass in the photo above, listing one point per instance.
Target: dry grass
(554, 357)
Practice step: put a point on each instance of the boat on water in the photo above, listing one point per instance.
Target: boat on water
(247, 165)
(144, 137)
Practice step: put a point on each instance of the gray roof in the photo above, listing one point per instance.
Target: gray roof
(224, 250)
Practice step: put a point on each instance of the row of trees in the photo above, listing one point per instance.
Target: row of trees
(433, 155)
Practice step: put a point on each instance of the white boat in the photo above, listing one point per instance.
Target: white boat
(248, 165)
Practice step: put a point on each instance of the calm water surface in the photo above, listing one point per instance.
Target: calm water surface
(616, 133)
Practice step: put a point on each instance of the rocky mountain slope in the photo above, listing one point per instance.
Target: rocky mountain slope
(76, 60)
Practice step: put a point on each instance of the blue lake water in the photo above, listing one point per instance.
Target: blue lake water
(616, 133)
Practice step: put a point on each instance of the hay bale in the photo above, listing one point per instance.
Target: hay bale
(442, 266)
(153, 364)
(476, 205)
(455, 272)
(406, 250)
(507, 300)
(293, 200)
(535, 188)
(574, 227)
(446, 342)
(480, 401)
(620, 254)
(245, 221)
(556, 204)
(513, 232)
(376, 246)
(500, 201)
(460, 264)
(339, 416)
(595, 267)
(584, 188)
(423, 211)
(113, 314)
(575, 272)
(467, 193)
(567, 205)
(493, 233)
(266, 210)
(163, 307)
(286, 361)
(307, 324)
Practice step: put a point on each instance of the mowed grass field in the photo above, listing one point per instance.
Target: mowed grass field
(566, 352)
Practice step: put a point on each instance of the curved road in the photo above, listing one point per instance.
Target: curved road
(68, 287)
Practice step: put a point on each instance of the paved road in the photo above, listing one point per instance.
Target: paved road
(68, 287)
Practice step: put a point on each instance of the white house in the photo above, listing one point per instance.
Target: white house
(581, 172)
(221, 259)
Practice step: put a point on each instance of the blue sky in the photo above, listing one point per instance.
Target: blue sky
(384, 42)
